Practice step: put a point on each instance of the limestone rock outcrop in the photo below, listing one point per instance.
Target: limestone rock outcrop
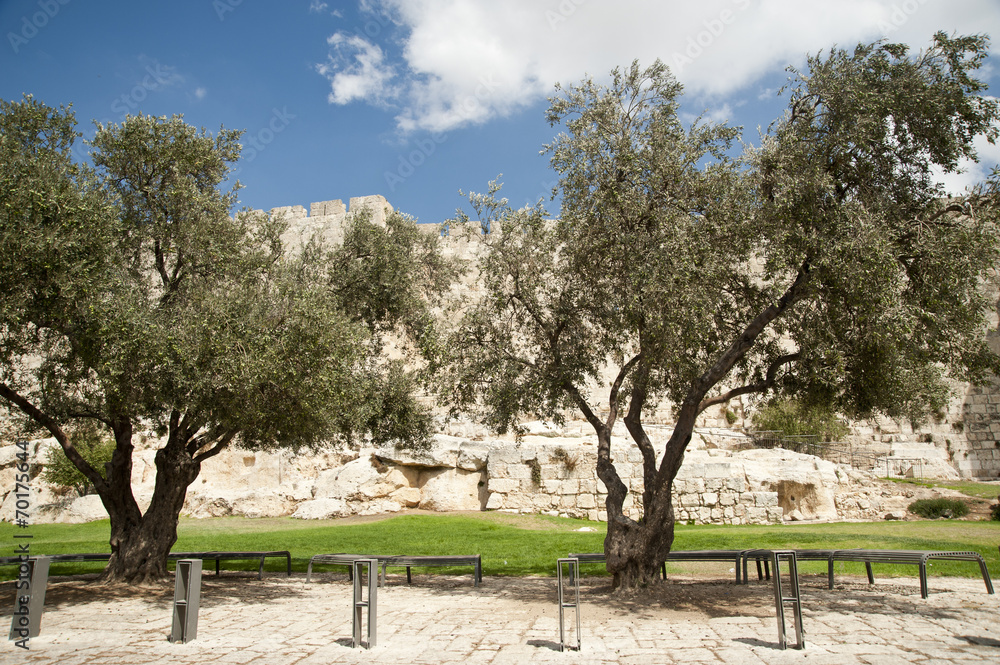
(549, 470)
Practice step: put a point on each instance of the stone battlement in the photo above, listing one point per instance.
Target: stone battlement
(328, 218)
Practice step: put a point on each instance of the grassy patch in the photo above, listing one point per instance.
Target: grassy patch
(966, 487)
(517, 544)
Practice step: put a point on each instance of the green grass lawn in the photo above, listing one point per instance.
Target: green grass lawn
(514, 544)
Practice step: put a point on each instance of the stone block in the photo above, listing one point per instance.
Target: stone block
(503, 485)
(766, 499)
(736, 484)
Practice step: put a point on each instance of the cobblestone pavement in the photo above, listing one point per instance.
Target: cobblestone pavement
(442, 619)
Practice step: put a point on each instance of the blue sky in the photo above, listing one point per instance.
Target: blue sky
(416, 99)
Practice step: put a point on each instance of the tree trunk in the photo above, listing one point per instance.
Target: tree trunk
(634, 550)
(140, 543)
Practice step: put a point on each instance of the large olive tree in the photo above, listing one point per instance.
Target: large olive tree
(133, 298)
(824, 264)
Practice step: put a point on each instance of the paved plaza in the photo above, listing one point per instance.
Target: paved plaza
(445, 619)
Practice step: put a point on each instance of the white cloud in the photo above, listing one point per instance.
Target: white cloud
(357, 71)
(317, 7)
(200, 93)
(467, 61)
(971, 173)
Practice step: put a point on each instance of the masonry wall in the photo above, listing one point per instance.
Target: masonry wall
(969, 431)
(539, 479)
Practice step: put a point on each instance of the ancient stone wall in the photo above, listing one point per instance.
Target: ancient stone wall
(551, 472)
(968, 432)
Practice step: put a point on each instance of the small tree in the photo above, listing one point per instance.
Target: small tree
(824, 264)
(795, 418)
(93, 447)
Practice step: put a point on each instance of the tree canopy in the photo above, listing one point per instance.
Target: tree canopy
(133, 297)
(823, 263)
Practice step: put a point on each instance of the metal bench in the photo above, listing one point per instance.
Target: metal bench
(918, 558)
(384, 561)
(340, 559)
(735, 556)
(450, 560)
(217, 556)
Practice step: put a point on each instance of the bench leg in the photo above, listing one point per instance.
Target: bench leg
(986, 575)
(868, 569)
(829, 574)
(260, 571)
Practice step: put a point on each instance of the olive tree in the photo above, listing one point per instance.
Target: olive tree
(134, 299)
(823, 264)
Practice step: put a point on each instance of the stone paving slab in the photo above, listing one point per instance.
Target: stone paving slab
(442, 619)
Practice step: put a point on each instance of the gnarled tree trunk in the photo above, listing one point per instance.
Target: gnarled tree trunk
(635, 550)
(140, 542)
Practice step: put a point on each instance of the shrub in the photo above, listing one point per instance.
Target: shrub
(568, 461)
(536, 470)
(935, 508)
(795, 418)
(93, 447)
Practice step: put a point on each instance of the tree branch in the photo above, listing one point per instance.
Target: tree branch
(216, 449)
(53, 427)
(758, 387)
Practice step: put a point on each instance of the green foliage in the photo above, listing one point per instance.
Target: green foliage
(934, 508)
(536, 470)
(568, 461)
(94, 447)
(795, 418)
(731, 417)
